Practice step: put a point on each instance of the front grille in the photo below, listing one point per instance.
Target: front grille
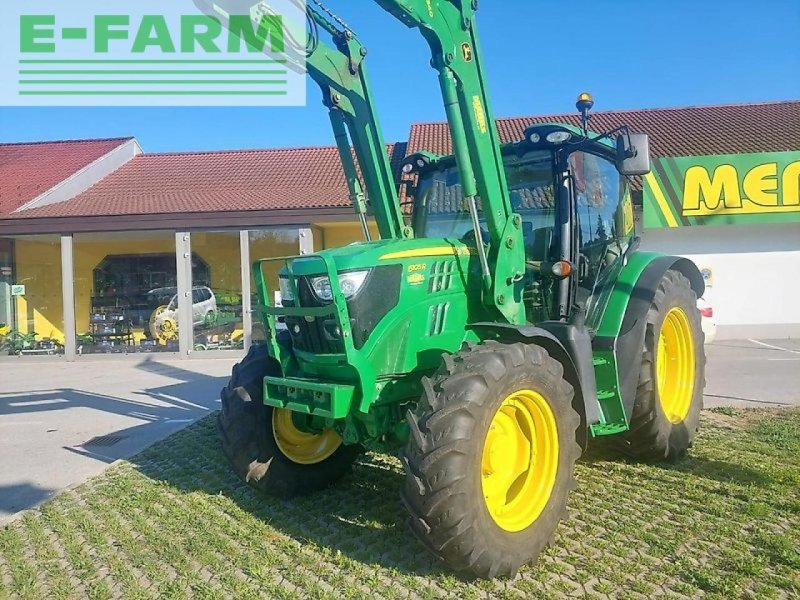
(316, 335)
(321, 335)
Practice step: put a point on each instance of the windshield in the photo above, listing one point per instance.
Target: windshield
(441, 211)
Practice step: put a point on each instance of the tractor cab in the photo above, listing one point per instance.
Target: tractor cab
(571, 190)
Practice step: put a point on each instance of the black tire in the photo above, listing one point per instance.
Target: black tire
(652, 436)
(248, 441)
(443, 489)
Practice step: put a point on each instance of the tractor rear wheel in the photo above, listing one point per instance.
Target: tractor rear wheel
(263, 444)
(491, 456)
(669, 397)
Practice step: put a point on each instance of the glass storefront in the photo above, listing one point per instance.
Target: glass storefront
(128, 289)
(126, 292)
(31, 307)
(217, 314)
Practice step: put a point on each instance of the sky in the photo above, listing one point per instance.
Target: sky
(539, 54)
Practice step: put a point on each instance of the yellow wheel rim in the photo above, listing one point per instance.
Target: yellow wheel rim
(520, 460)
(675, 365)
(299, 446)
(163, 328)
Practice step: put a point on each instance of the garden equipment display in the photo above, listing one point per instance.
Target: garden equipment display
(512, 320)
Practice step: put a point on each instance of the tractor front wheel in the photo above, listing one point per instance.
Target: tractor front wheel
(669, 397)
(491, 457)
(264, 445)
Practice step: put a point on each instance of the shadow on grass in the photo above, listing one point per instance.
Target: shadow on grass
(700, 466)
(361, 517)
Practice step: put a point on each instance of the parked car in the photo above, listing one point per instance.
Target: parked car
(164, 320)
(707, 319)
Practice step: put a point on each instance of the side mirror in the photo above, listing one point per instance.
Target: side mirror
(633, 154)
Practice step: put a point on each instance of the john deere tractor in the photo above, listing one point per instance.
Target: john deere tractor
(488, 339)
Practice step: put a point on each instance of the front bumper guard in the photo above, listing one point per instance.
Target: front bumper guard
(332, 400)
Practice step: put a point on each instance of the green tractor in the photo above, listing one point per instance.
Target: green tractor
(486, 341)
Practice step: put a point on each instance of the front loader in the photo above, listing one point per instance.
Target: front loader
(486, 342)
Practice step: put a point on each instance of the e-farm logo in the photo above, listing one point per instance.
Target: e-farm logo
(153, 53)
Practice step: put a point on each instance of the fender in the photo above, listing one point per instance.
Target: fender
(620, 336)
(568, 344)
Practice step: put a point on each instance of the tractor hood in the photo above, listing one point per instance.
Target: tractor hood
(384, 252)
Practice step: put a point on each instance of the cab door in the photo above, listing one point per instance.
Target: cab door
(604, 228)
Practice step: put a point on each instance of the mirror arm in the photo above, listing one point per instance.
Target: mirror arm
(623, 129)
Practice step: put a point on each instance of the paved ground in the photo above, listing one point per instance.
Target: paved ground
(50, 410)
(753, 373)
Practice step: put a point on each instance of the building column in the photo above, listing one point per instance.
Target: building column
(68, 298)
(306, 241)
(183, 258)
(247, 303)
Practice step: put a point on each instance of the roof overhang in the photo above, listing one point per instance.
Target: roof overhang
(253, 219)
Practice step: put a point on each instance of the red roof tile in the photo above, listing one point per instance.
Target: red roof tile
(28, 170)
(690, 131)
(292, 178)
(307, 178)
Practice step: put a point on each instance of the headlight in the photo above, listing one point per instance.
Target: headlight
(350, 283)
(558, 137)
(286, 290)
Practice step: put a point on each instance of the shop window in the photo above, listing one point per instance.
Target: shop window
(217, 317)
(31, 306)
(125, 292)
(270, 243)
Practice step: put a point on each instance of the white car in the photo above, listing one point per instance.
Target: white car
(707, 319)
(164, 320)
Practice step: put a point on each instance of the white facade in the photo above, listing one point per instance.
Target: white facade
(753, 274)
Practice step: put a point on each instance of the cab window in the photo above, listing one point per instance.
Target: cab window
(440, 209)
(605, 215)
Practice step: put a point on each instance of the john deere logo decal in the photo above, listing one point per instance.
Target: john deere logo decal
(466, 50)
(723, 190)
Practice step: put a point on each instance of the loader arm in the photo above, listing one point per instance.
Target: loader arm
(339, 70)
(449, 28)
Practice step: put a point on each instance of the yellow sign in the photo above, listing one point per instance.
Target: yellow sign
(723, 190)
(763, 189)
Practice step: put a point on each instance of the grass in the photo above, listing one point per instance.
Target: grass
(174, 523)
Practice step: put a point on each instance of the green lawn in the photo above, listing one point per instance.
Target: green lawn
(174, 522)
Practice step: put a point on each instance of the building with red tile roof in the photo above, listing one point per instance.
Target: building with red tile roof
(96, 226)
(32, 171)
(265, 186)
(288, 183)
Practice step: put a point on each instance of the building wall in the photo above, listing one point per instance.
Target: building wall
(273, 243)
(755, 274)
(221, 252)
(38, 268)
(336, 235)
